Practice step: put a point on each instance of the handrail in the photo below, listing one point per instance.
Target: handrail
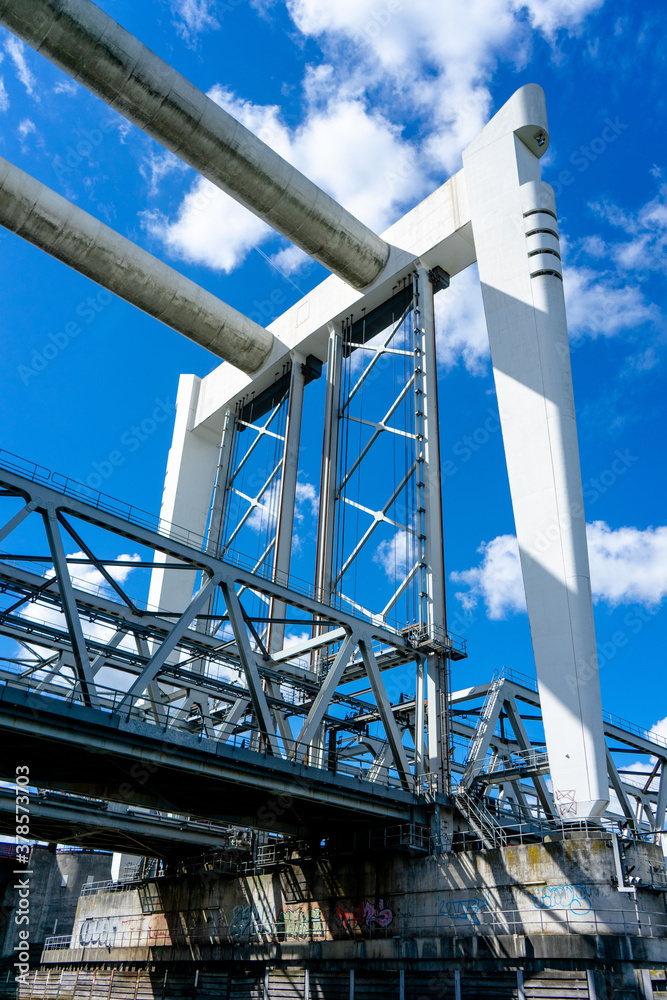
(472, 916)
(144, 519)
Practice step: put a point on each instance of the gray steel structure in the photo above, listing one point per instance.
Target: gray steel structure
(211, 656)
(215, 727)
(192, 685)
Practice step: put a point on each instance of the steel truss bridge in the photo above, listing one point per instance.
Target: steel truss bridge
(186, 743)
(237, 694)
(190, 727)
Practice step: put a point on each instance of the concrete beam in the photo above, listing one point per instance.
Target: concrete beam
(97, 52)
(436, 232)
(37, 214)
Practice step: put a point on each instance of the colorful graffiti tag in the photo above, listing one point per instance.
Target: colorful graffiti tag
(301, 923)
(365, 914)
(562, 897)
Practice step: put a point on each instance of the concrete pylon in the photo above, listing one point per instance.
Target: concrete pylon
(513, 215)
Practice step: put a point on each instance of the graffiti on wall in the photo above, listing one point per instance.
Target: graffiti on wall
(244, 922)
(301, 923)
(463, 909)
(98, 932)
(365, 914)
(563, 897)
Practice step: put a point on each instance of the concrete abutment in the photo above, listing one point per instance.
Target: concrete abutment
(531, 920)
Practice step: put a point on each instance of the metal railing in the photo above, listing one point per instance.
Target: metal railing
(255, 741)
(528, 761)
(612, 720)
(200, 543)
(476, 915)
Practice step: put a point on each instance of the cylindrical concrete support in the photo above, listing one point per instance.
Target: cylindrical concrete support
(39, 215)
(83, 41)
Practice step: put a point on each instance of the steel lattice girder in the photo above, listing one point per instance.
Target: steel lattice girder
(157, 638)
(526, 780)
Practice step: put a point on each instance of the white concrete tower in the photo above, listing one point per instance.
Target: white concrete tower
(514, 224)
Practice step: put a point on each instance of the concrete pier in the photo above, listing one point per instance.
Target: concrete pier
(529, 920)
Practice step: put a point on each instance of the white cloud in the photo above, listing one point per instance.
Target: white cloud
(211, 228)
(16, 50)
(194, 16)
(460, 323)
(410, 54)
(598, 306)
(496, 581)
(647, 249)
(67, 87)
(265, 512)
(26, 130)
(4, 96)
(306, 512)
(549, 17)
(383, 59)
(26, 127)
(88, 579)
(159, 165)
(290, 259)
(628, 566)
(369, 176)
(307, 502)
(659, 730)
(643, 361)
(89, 576)
(397, 555)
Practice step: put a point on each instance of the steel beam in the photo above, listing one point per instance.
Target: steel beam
(70, 610)
(168, 645)
(247, 656)
(386, 713)
(327, 689)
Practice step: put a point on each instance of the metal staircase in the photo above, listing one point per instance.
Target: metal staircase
(482, 822)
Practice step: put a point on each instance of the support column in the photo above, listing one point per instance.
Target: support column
(287, 502)
(516, 240)
(432, 598)
(186, 498)
(327, 517)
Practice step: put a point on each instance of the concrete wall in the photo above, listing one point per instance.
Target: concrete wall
(54, 886)
(555, 888)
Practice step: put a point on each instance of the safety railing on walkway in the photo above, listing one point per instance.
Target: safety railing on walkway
(154, 523)
(475, 915)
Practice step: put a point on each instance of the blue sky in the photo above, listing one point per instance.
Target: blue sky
(341, 88)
